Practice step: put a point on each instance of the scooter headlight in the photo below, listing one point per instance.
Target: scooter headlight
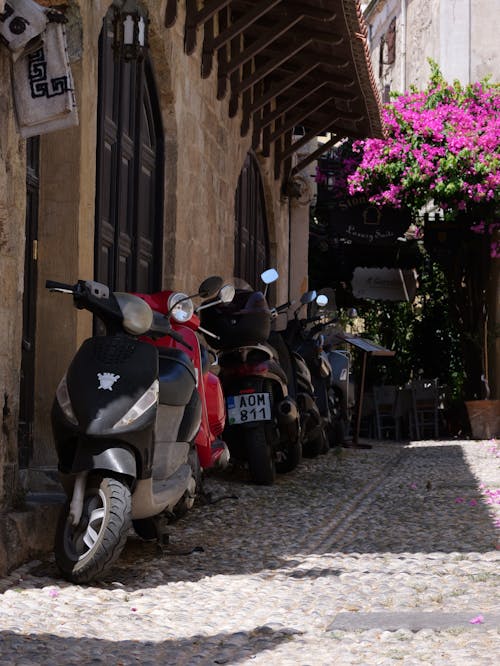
(180, 306)
(62, 395)
(146, 401)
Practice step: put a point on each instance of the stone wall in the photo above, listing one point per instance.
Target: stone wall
(12, 230)
(204, 154)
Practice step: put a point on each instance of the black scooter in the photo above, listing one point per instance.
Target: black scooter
(289, 342)
(263, 424)
(124, 420)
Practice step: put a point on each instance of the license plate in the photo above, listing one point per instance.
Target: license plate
(248, 407)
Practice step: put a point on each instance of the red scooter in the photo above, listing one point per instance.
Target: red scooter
(178, 307)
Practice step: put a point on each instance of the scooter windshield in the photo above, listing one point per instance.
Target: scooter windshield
(239, 284)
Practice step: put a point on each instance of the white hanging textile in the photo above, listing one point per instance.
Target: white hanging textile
(44, 97)
(43, 86)
(21, 24)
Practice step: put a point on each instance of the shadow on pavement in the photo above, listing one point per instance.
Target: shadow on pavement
(223, 648)
(391, 499)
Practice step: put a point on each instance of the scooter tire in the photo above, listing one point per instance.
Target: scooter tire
(291, 457)
(85, 553)
(259, 455)
(316, 446)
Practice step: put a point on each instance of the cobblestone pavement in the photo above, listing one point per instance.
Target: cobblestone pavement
(380, 556)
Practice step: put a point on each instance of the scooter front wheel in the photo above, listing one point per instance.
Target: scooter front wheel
(83, 553)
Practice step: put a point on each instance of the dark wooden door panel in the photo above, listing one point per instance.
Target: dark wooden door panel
(129, 189)
(27, 374)
(251, 250)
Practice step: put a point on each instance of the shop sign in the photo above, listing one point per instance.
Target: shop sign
(356, 221)
(384, 284)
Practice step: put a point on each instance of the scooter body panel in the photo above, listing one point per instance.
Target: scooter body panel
(106, 378)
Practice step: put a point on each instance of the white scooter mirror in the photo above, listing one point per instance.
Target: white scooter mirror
(271, 275)
(226, 294)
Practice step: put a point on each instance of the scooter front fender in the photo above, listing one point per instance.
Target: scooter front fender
(92, 455)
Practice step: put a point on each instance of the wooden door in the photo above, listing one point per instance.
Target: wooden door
(251, 249)
(27, 375)
(130, 156)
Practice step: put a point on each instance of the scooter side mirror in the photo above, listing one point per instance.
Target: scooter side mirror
(308, 297)
(227, 292)
(271, 275)
(210, 286)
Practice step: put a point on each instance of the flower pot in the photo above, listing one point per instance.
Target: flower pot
(484, 418)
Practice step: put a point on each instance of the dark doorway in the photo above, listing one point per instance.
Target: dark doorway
(27, 383)
(251, 249)
(130, 156)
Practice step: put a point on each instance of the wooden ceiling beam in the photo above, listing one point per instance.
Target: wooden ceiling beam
(288, 105)
(170, 13)
(240, 25)
(280, 87)
(298, 118)
(309, 136)
(313, 156)
(312, 12)
(268, 37)
(270, 66)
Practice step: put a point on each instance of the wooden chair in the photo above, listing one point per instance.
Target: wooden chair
(424, 416)
(387, 418)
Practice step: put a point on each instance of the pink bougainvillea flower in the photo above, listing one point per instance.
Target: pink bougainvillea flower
(479, 619)
(442, 146)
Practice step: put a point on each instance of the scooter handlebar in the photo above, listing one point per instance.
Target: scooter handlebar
(59, 286)
(284, 307)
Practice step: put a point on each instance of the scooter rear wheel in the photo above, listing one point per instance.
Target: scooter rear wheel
(259, 454)
(83, 553)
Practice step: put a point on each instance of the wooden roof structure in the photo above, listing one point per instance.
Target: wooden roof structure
(287, 64)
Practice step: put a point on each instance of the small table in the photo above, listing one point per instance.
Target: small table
(368, 348)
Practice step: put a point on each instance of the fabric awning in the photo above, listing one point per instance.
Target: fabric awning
(284, 64)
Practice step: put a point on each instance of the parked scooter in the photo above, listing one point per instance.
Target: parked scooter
(286, 341)
(342, 381)
(212, 450)
(263, 425)
(124, 419)
(308, 341)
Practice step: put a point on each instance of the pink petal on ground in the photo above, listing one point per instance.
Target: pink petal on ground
(472, 502)
(413, 486)
(53, 593)
(459, 500)
(479, 619)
